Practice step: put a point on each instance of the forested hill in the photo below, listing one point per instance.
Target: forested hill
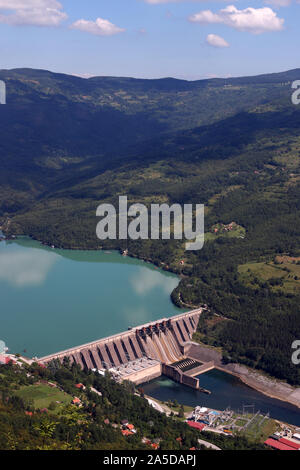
(70, 143)
(53, 123)
(44, 409)
(57, 118)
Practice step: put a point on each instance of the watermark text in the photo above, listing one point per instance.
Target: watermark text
(161, 221)
(2, 92)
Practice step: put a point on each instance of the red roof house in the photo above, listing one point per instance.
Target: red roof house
(290, 443)
(80, 386)
(199, 426)
(40, 364)
(6, 359)
(277, 445)
(76, 401)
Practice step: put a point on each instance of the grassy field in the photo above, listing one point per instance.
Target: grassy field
(282, 274)
(254, 427)
(236, 232)
(260, 429)
(43, 395)
(176, 408)
(240, 422)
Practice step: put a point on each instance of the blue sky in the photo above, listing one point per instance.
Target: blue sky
(188, 39)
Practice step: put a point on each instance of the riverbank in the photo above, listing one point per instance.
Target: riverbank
(257, 380)
(228, 393)
(267, 385)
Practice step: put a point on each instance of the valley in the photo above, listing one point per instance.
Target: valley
(240, 160)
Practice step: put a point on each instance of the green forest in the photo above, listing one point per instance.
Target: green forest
(94, 425)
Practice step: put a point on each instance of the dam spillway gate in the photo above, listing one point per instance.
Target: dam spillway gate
(140, 353)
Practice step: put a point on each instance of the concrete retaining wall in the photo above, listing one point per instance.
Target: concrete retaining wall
(145, 375)
(190, 381)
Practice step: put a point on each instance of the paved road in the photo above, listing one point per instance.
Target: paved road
(155, 405)
(208, 445)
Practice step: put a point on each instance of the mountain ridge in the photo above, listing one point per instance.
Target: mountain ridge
(291, 74)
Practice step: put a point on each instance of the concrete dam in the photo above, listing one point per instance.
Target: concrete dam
(141, 353)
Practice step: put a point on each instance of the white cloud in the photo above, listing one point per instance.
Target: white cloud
(279, 3)
(100, 27)
(26, 269)
(206, 16)
(32, 12)
(216, 41)
(253, 20)
(146, 281)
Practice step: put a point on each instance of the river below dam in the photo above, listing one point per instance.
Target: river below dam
(52, 300)
(227, 391)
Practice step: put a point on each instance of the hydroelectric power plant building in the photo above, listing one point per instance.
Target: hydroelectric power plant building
(144, 352)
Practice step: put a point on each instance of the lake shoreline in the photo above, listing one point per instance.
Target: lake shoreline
(87, 294)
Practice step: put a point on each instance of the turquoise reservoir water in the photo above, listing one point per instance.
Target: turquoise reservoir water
(55, 299)
(227, 390)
